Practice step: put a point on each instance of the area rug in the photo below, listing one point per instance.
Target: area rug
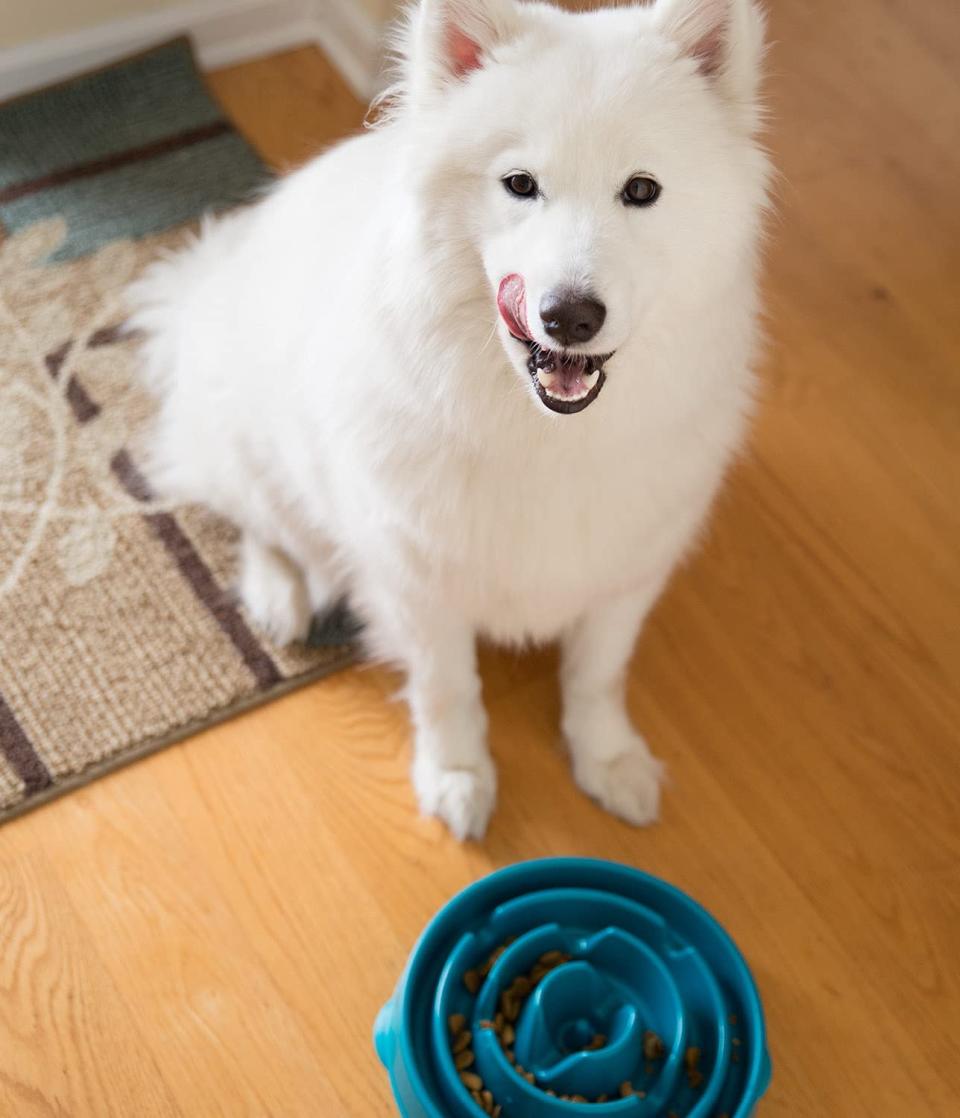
(119, 632)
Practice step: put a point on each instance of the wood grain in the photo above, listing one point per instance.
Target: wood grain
(213, 930)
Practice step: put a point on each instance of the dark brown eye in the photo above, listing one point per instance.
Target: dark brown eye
(522, 185)
(641, 190)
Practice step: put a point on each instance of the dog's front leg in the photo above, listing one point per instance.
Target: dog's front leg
(453, 773)
(611, 761)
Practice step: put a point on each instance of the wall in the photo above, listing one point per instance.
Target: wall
(23, 21)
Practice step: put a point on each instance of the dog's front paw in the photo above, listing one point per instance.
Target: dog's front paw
(624, 781)
(462, 797)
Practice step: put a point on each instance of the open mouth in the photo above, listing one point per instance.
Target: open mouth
(565, 381)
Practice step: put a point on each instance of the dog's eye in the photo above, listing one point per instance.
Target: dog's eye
(522, 185)
(641, 190)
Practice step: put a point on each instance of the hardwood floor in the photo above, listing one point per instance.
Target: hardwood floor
(191, 937)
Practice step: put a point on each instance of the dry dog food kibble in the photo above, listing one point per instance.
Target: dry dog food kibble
(509, 1007)
(653, 1046)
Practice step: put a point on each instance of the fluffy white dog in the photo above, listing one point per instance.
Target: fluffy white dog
(482, 368)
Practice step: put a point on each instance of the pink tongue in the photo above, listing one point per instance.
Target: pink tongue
(512, 303)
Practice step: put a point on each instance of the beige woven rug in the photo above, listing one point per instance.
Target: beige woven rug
(118, 629)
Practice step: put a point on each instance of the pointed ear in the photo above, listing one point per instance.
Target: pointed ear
(725, 37)
(452, 38)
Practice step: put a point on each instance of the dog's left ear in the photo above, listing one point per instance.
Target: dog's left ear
(725, 37)
(452, 38)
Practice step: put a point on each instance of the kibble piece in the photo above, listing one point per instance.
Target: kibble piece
(551, 958)
(653, 1046)
(691, 1058)
(497, 1111)
(462, 1041)
(487, 1097)
(471, 1081)
(510, 1006)
(498, 1022)
(529, 1077)
(521, 986)
(602, 1098)
(511, 1055)
(641, 1094)
(464, 1059)
(626, 1089)
(475, 1095)
(732, 1018)
(487, 1025)
(695, 1079)
(737, 1042)
(578, 1098)
(598, 1041)
(472, 981)
(538, 972)
(509, 1034)
(456, 1022)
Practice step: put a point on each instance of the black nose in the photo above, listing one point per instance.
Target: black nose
(571, 318)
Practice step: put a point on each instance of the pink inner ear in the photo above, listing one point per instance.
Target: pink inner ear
(463, 52)
(709, 52)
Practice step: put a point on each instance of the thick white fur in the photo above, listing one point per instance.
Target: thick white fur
(334, 376)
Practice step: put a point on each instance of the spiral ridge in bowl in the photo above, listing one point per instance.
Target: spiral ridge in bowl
(631, 957)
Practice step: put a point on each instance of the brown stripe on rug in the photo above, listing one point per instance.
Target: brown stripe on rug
(117, 159)
(20, 754)
(110, 335)
(198, 575)
(82, 406)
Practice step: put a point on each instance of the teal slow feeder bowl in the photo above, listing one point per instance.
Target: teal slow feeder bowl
(629, 960)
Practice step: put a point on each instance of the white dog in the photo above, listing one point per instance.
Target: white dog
(482, 368)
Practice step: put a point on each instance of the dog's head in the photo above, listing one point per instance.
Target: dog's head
(597, 164)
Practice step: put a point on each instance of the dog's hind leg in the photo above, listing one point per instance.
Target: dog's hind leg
(274, 590)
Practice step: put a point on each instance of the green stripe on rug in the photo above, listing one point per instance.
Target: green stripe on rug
(131, 149)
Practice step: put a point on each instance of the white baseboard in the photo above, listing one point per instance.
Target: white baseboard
(223, 32)
(353, 42)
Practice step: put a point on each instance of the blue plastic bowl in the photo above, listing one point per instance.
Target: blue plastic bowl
(639, 955)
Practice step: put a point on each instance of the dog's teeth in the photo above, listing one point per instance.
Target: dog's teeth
(546, 378)
(590, 380)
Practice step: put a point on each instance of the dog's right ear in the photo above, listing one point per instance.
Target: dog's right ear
(449, 39)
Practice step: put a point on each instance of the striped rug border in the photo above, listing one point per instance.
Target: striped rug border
(198, 575)
(117, 159)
